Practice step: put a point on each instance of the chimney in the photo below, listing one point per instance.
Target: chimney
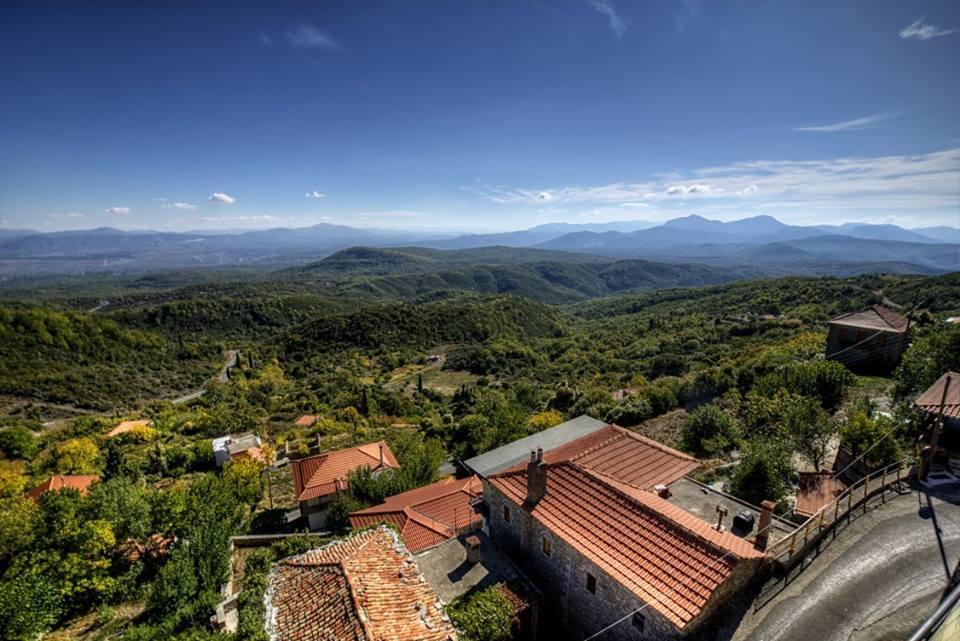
(381, 454)
(536, 478)
(721, 513)
(473, 549)
(763, 527)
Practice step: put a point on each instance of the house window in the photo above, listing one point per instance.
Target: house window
(506, 513)
(591, 583)
(639, 621)
(546, 546)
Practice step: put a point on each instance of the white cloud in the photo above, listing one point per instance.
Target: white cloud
(180, 206)
(219, 197)
(315, 194)
(920, 31)
(683, 190)
(922, 185)
(70, 214)
(117, 210)
(306, 36)
(617, 24)
(867, 122)
(545, 196)
(648, 205)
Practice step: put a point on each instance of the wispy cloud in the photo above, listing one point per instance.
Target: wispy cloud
(867, 122)
(264, 39)
(315, 194)
(920, 31)
(305, 36)
(120, 211)
(887, 185)
(180, 206)
(219, 197)
(617, 24)
(69, 214)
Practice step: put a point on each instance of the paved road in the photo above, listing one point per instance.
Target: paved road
(881, 577)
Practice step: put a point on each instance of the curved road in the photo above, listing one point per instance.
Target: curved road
(876, 582)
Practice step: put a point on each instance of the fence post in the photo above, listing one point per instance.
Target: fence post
(883, 486)
(820, 523)
(866, 489)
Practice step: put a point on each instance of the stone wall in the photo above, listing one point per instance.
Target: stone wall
(570, 608)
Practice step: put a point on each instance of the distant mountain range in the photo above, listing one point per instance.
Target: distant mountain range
(760, 242)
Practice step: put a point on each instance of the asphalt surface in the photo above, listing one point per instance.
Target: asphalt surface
(876, 581)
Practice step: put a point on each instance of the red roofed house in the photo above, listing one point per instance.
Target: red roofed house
(875, 337)
(429, 515)
(307, 420)
(364, 587)
(317, 479)
(584, 523)
(81, 483)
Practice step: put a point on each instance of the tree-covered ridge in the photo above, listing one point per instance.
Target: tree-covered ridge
(91, 361)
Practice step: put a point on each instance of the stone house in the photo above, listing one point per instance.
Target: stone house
(871, 338)
(602, 547)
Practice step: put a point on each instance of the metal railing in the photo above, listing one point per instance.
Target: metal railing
(855, 496)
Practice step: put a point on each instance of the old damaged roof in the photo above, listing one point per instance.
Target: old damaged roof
(429, 515)
(364, 587)
(667, 557)
(874, 317)
(319, 475)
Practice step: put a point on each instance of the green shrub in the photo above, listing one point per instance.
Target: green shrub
(482, 615)
(709, 430)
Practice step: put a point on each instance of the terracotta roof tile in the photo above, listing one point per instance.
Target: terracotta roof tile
(429, 515)
(625, 456)
(929, 401)
(306, 420)
(81, 483)
(365, 587)
(316, 476)
(664, 555)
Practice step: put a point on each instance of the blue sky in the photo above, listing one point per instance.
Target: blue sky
(477, 115)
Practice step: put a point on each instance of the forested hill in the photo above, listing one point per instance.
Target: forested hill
(384, 327)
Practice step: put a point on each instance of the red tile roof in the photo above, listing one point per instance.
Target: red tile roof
(78, 482)
(364, 587)
(306, 420)
(429, 515)
(929, 401)
(875, 317)
(815, 490)
(316, 476)
(625, 456)
(667, 557)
